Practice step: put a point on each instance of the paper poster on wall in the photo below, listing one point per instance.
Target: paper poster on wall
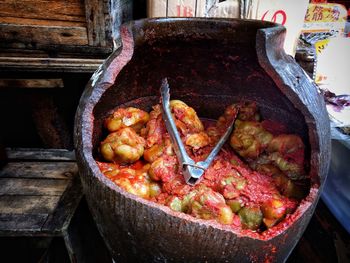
(289, 13)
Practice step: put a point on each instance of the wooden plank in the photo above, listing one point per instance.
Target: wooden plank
(19, 224)
(31, 83)
(40, 154)
(39, 9)
(20, 50)
(43, 34)
(58, 221)
(50, 64)
(21, 186)
(42, 22)
(28, 204)
(95, 22)
(40, 170)
(46, 50)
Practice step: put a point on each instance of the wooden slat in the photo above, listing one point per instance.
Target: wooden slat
(40, 170)
(60, 219)
(44, 34)
(50, 64)
(31, 83)
(42, 22)
(95, 22)
(12, 224)
(40, 154)
(28, 204)
(43, 187)
(20, 50)
(38, 198)
(39, 9)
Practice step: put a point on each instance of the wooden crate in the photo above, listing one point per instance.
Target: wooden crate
(59, 34)
(39, 193)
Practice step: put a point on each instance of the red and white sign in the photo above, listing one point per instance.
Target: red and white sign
(193, 8)
(289, 13)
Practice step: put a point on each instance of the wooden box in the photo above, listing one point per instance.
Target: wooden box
(33, 31)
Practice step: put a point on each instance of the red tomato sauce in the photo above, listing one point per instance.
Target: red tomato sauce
(243, 193)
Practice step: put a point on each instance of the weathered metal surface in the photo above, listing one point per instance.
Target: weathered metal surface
(209, 64)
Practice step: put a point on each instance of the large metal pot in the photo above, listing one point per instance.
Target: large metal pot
(210, 63)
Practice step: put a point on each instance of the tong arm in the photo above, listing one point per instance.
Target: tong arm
(205, 164)
(191, 171)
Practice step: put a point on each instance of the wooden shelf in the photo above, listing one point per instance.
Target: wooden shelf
(40, 191)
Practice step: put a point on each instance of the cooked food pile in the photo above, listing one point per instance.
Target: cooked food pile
(253, 183)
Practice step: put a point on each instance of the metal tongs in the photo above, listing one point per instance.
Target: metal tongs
(191, 170)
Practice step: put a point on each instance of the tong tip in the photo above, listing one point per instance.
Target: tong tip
(164, 89)
(165, 82)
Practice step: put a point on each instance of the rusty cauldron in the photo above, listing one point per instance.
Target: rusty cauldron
(210, 63)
